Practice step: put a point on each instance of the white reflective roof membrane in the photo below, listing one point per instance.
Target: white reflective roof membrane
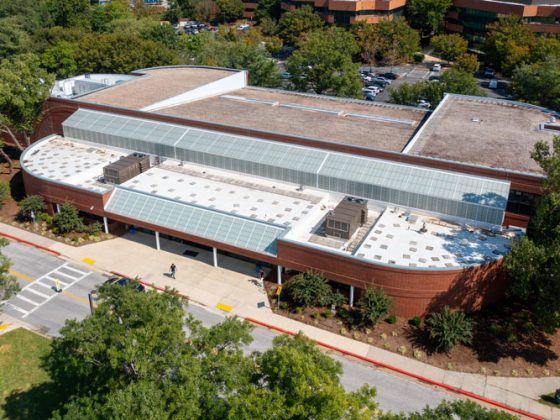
(214, 225)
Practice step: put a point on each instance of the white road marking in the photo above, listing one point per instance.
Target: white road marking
(45, 281)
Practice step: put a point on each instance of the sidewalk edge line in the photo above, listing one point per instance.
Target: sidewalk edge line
(23, 241)
(404, 372)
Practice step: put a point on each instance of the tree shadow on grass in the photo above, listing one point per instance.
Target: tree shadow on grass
(36, 403)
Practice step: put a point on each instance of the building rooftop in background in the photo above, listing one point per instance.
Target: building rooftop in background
(358, 123)
(483, 131)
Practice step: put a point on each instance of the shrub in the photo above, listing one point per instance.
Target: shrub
(309, 289)
(4, 192)
(328, 314)
(418, 57)
(32, 204)
(374, 305)
(299, 310)
(337, 299)
(94, 229)
(283, 305)
(391, 319)
(315, 315)
(448, 328)
(402, 350)
(68, 219)
(416, 321)
(46, 217)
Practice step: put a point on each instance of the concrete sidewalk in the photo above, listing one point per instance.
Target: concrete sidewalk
(235, 287)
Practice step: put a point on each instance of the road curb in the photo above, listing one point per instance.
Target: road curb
(403, 372)
(23, 241)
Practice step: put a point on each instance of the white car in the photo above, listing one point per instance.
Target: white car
(423, 104)
(375, 89)
(370, 91)
(436, 67)
(243, 27)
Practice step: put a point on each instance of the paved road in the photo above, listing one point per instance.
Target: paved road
(39, 305)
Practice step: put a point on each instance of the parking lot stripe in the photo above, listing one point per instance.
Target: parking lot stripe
(21, 276)
(54, 280)
(37, 292)
(60, 273)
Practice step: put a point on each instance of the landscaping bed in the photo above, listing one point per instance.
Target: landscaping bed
(500, 345)
(10, 214)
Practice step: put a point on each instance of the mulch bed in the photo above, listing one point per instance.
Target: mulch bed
(497, 349)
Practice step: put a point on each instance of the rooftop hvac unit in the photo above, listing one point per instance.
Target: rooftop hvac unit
(126, 168)
(347, 217)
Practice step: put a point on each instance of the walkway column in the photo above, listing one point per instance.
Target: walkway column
(106, 225)
(157, 241)
(279, 274)
(351, 295)
(215, 252)
(57, 208)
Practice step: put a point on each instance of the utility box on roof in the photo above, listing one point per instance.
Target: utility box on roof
(347, 217)
(126, 168)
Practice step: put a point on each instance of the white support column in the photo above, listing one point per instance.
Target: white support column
(57, 208)
(351, 295)
(106, 224)
(279, 274)
(157, 241)
(215, 252)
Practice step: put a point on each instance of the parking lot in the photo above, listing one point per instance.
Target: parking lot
(420, 72)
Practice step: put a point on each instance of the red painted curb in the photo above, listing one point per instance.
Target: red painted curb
(23, 241)
(404, 372)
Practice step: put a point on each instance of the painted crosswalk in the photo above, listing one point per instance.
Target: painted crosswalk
(43, 289)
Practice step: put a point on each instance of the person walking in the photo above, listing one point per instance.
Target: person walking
(173, 270)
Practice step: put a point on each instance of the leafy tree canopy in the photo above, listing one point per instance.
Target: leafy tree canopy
(102, 15)
(428, 15)
(460, 409)
(137, 355)
(293, 25)
(8, 283)
(230, 9)
(508, 43)
(467, 63)
(449, 47)
(24, 87)
(68, 13)
(323, 64)
(539, 83)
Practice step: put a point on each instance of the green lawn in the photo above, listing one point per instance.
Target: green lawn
(24, 385)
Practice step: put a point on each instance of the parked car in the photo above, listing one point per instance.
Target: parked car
(286, 75)
(244, 27)
(371, 91)
(423, 104)
(493, 84)
(374, 88)
(434, 79)
(369, 96)
(390, 76)
(381, 80)
(126, 282)
(489, 73)
(436, 67)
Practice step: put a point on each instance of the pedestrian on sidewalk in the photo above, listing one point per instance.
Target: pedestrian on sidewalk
(173, 270)
(261, 273)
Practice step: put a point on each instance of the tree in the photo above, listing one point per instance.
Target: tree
(448, 328)
(68, 13)
(428, 15)
(533, 265)
(397, 41)
(538, 83)
(293, 25)
(13, 38)
(309, 289)
(267, 9)
(508, 43)
(451, 81)
(4, 192)
(323, 63)
(205, 10)
(545, 47)
(374, 305)
(230, 9)
(67, 219)
(24, 87)
(459, 409)
(369, 42)
(121, 53)
(31, 205)
(102, 15)
(467, 63)
(8, 283)
(449, 47)
(61, 60)
(137, 356)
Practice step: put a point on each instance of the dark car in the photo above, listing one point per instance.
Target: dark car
(489, 73)
(125, 282)
(389, 75)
